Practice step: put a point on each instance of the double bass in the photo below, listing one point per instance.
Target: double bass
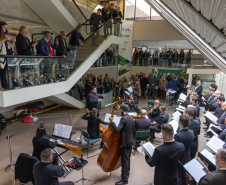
(110, 157)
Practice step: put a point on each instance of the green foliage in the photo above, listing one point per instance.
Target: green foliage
(183, 72)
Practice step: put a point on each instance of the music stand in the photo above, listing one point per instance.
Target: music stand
(83, 178)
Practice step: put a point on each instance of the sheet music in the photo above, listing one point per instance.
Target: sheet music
(171, 91)
(215, 144)
(181, 107)
(149, 148)
(130, 89)
(182, 96)
(209, 156)
(195, 169)
(106, 119)
(174, 125)
(191, 106)
(63, 131)
(116, 120)
(127, 93)
(211, 116)
(176, 115)
(211, 130)
(204, 99)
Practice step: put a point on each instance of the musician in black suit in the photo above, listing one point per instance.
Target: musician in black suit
(217, 177)
(194, 103)
(23, 44)
(154, 112)
(127, 131)
(93, 125)
(194, 125)
(164, 118)
(94, 101)
(143, 123)
(189, 92)
(165, 158)
(40, 143)
(210, 96)
(198, 89)
(185, 136)
(45, 173)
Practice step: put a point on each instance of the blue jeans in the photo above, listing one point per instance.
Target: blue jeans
(74, 55)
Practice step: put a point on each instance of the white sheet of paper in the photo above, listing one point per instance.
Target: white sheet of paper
(211, 116)
(149, 148)
(140, 150)
(181, 107)
(171, 91)
(215, 144)
(209, 156)
(211, 130)
(196, 169)
(130, 89)
(116, 120)
(106, 119)
(63, 131)
(176, 115)
(182, 96)
(174, 125)
(127, 93)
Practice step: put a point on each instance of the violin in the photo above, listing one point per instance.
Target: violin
(110, 157)
(101, 128)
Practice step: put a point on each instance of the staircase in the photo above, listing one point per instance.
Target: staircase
(203, 23)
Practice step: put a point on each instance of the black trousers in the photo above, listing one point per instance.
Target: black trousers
(125, 161)
(153, 129)
(67, 183)
(194, 149)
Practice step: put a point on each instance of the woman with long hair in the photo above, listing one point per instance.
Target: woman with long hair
(40, 143)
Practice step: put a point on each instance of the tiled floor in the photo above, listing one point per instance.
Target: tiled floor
(140, 173)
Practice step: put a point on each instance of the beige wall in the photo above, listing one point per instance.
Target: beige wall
(155, 30)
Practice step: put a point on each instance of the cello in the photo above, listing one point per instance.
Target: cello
(101, 128)
(110, 157)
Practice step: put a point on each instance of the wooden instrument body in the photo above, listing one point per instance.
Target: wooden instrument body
(110, 157)
(75, 149)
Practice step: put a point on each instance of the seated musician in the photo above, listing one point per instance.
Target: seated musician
(194, 103)
(143, 123)
(93, 125)
(163, 118)
(40, 143)
(131, 103)
(154, 112)
(46, 173)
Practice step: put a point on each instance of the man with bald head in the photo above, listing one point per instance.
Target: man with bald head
(217, 177)
(143, 123)
(154, 112)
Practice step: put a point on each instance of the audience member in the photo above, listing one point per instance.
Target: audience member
(117, 15)
(23, 44)
(75, 41)
(152, 80)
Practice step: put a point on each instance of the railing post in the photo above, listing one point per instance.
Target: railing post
(11, 167)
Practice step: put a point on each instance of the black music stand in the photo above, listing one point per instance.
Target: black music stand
(83, 179)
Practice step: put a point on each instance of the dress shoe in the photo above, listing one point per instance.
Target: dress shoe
(121, 182)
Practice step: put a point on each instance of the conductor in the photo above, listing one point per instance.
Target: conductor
(94, 101)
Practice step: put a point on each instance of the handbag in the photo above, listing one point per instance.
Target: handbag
(3, 52)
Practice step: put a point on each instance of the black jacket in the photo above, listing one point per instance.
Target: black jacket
(23, 45)
(198, 89)
(47, 174)
(41, 144)
(62, 46)
(197, 109)
(93, 126)
(154, 116)
(142, 123)
(92, 101)
(165, 159)
(24, 167)
(221, 119)
(127, 130)
(117, 14)
(195, 126)
(185, 136)
(143, 83)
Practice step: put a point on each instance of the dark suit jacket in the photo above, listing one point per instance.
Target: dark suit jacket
(165, 117)
(217, 177)
(47, 174)
(154, 116)
(210, 98)
(62, 47)
(197, 109)
(221, 119)
(199, 90)
(92, 101)
(127, 130)
(142, 123)
(165, 159)
(195, 126)
(185, 136)
(23, 46)
(43, 48)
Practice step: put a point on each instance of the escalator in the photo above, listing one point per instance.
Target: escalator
(87, 55)
(203, 23)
